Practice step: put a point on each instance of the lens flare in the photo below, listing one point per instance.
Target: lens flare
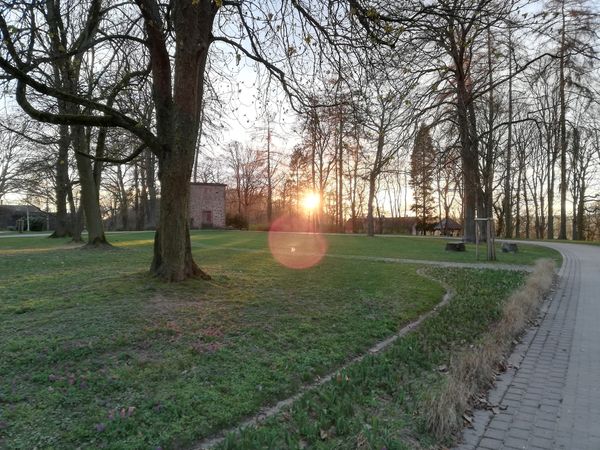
(310, 201)
(292, 249)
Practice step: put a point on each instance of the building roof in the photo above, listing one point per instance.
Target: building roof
(447, 224)
(19, 209)
(208, 184)
(408, 219)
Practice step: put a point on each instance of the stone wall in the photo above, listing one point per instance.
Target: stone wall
(207, 205)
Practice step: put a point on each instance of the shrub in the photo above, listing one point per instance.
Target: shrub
(236, 221)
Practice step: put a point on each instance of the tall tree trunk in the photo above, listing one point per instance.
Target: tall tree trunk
(143, 200)
(562, 234)
(76, 216)
(198, 142)
(518, 203)
(150, 174)
(542, 217)
(469, 156)
(551, 178)
(63, 226)
(508, 216)
(340, 193)
(269, 177)
(575, 219)
(371, 198)
(124, 203)
(581, 212)
(527, 212)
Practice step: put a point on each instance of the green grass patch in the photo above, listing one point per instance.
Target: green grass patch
(378, 402)
(95, 353)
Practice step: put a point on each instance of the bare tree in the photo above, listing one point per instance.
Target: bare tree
(11, 153)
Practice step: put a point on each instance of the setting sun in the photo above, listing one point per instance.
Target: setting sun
(310, 201)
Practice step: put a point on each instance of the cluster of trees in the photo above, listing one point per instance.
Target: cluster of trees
(471, 108)
(498, 119)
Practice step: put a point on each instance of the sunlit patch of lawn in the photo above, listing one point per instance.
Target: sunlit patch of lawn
(95, 353)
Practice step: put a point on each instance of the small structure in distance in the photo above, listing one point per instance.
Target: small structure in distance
(207, 205)
(25, 218)
(448, 227)
(385, 225)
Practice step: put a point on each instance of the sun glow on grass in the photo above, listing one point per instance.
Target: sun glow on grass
(295, 250)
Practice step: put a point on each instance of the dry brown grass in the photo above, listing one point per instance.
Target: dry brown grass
(475, 369)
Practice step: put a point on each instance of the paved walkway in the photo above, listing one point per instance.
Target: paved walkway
(550, 396)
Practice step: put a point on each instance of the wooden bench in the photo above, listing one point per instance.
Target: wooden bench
(509, 247)
(455, 246)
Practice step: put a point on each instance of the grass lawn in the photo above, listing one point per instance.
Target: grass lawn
(404, 247)
(96, 353)
(378, 402)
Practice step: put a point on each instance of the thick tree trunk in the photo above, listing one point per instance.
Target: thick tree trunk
(178, 119)
(89, 193)
(173, 259)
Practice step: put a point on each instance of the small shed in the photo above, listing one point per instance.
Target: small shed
(11, 215)
(207, 205)
(447, 227)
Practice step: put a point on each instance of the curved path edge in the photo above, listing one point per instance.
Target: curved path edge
(273, 410)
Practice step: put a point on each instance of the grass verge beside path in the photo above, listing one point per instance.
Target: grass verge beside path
(95, 353)
(473, 371)
(378, 402)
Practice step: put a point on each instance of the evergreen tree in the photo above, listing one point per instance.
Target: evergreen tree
(422, 166)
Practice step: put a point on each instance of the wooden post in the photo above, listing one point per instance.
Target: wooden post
(476, 240)
(489, 226)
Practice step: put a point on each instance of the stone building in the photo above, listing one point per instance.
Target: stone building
(207, 205)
